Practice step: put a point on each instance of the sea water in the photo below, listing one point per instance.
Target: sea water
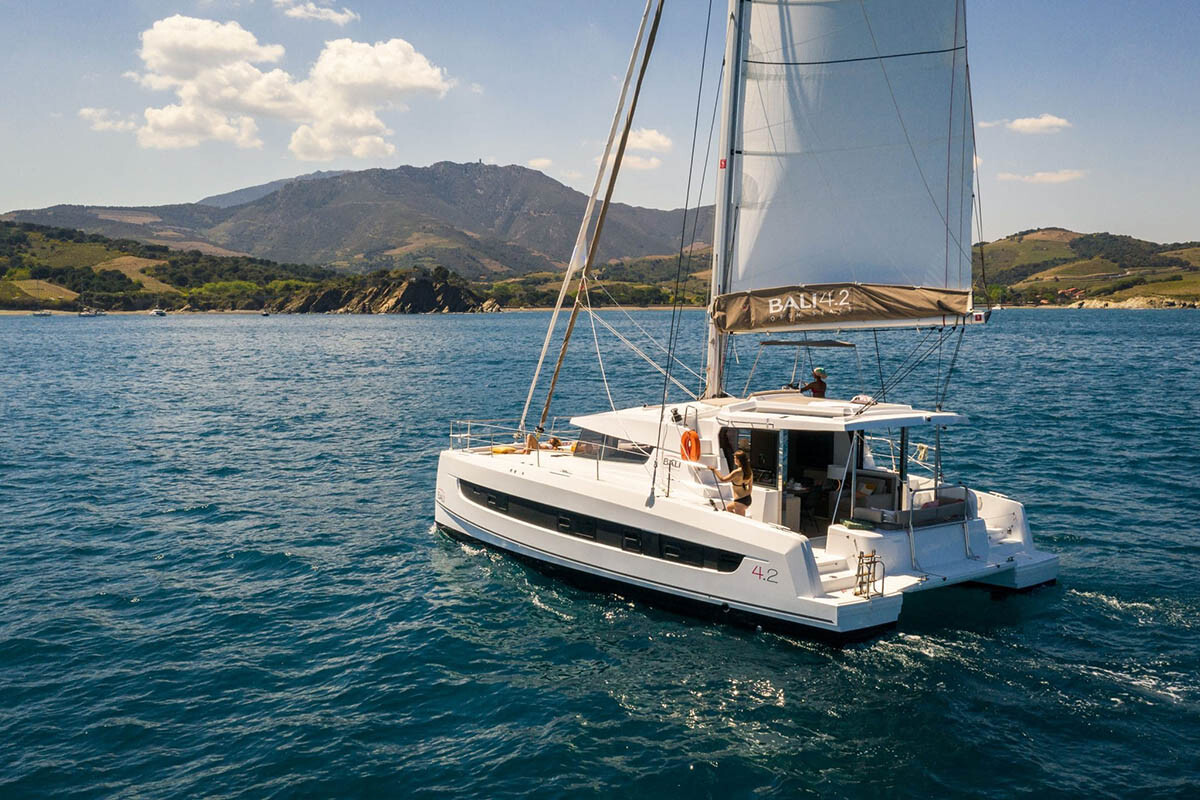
(219, 575)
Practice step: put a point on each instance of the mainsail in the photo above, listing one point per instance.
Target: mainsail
(848, 158)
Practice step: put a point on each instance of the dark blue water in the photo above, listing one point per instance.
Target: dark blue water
(219, 577)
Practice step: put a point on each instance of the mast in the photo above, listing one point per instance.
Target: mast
(722, 225)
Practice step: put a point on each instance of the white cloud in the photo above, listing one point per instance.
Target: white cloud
(1058, 176)
(310, 10)
(212, 68)
(102, 119)
(177, 48)
(176, 126)
(476, 88)
(540, 163)
(359, 134)
(375, 74)
(649, 139)
(1045, 123)
(640, 162)
(490, 160)
(636, 162)
(571, 174)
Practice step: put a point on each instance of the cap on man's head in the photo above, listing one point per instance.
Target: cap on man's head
(819, 371)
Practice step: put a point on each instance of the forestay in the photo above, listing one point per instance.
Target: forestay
(852, 154)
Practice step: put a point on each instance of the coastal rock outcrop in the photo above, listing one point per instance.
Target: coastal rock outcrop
(1136, 302)
(417, 295)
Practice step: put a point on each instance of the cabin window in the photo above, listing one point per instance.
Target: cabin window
(590, 444)
(764, 456)
(609, 534)
(624, 450)
(809, 450)
(761, 445)
(610, 448)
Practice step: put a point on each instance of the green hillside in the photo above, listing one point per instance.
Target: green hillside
(66, 269)
(1057, 266)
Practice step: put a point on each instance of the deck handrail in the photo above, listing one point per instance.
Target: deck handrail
(468, 434)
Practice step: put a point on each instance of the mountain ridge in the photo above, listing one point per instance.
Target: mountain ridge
(249, 194)
(486, 219)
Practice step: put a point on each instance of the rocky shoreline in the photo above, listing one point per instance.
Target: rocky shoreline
(413, 296)
(418, 295)
(1151, 301)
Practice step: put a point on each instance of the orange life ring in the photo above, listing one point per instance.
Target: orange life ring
(689, 445)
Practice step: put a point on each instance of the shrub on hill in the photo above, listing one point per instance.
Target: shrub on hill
(1117, 286)
(1125, 251)
(1017, 273)
(192, 269)
(85, 279)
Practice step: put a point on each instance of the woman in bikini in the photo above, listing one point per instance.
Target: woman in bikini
(742, 478)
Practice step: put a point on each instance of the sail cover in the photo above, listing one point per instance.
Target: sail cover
(853, 152)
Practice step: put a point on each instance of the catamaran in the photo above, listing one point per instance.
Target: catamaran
(844, 197)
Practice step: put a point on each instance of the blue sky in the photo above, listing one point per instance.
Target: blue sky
(1090, 106)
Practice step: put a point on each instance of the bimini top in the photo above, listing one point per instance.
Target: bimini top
(794, 411)
(779, 410)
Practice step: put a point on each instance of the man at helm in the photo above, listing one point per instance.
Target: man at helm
(817, 386)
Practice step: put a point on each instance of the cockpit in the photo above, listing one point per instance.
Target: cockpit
(817, 462)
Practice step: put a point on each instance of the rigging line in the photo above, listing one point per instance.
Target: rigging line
(585, 224)
(879, 361)
(596, 338)
(604, 207)
(916, 356)
(911, 354)
(962, 156)
(939, 369)
(901, 375)
(974, 154)
(585, 288)
(950, 371)
(852, 60)
(649, 336)
(673, 335)
(987, 299)
(677, 309)
(859, 370)
(919, 358)
(638, 351)
(950, 140)
(904, 128)
(708, 151)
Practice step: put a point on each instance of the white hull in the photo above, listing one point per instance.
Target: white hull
(780, 576)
